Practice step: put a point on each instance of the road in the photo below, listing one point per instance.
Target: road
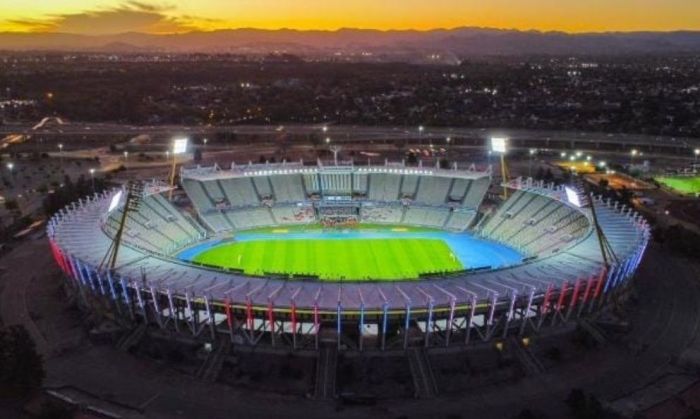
(340, 132)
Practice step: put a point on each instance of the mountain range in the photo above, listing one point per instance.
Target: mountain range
(459, 42)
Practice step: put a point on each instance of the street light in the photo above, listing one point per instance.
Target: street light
(529, 167)
(11, 166)
(696, 152)
(324, 129)
(328, 140)
(60, 153)
(92, 177)
(126, 157)
(421, 128)
(633, 153)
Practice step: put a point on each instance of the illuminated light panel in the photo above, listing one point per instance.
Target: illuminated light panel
(499, 144)
(180, 146)
(572, 197)
(115, 201)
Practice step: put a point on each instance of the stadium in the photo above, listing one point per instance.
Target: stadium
(382, 257)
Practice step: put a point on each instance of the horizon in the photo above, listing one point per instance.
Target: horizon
(113, 17)
(341, 29)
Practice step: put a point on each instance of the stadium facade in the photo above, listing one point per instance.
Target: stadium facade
(563, 276)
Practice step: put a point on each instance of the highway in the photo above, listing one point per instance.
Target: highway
(353, 133)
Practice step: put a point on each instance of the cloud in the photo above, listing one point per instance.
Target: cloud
(130, 16)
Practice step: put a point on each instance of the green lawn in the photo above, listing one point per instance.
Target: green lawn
(334, 260)
(682, 184)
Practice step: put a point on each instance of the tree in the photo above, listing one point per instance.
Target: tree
(21, 367)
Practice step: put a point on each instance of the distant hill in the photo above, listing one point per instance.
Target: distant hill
(460, 42)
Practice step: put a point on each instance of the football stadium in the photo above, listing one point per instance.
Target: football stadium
(362, 257)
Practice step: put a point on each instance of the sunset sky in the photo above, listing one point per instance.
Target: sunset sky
(109, 16)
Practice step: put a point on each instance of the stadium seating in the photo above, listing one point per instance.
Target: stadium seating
(382, 214)
(426, 216)
(460, 220)
(433, 190)
(199, 198)
(288, 188)
(383, 187)
(269, 196)
(239, 192)
(475, 193)
(293, 214)
(535, 224)
(156, 226)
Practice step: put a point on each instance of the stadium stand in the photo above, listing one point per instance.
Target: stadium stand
(239, 192)
(293, 214)
(382, 214)
(383, 187)
(535, 224)
(433, 190)
(476, 192)
(288, 188)
(195, 191)
(426, 216)
(157, 226)
(409, 185)
(460, 220)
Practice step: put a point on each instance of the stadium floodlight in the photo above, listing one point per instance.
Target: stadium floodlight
(572, 197)
(115, 201)
(499, 144)
(180, 145)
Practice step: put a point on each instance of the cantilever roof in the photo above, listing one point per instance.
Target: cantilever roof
(215, 172)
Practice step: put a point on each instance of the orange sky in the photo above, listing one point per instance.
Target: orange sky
(110, 16)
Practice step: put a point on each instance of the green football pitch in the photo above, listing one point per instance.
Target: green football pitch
(334, 260)
(682, 184)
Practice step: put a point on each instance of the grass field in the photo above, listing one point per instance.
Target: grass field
(334, 260)
(682, 184)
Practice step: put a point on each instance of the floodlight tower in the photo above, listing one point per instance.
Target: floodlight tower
(134, 192)
(179, 147)
(499, 145)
